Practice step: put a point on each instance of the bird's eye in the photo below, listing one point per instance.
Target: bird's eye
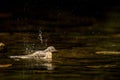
(52, 49)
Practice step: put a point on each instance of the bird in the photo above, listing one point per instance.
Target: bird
(45, 55)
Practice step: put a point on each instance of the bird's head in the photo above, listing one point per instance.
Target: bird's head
(51, 49)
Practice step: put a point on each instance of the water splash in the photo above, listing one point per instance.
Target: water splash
(40, 37)
(29, 47)
(30, 44)
(46, 42)
(42, 41)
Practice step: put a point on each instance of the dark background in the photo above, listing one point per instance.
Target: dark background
(78, 7)
(62, 13)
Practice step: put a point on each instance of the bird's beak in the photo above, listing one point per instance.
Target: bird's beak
(55, 50)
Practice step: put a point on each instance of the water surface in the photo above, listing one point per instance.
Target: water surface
(69, 63)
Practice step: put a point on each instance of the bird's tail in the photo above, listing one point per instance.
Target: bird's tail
(18, 57)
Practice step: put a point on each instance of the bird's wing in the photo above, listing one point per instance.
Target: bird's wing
(29, 56)
(38, 53)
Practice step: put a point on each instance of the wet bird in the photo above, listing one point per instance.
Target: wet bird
(45, 55)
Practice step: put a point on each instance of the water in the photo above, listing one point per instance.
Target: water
(75, 63)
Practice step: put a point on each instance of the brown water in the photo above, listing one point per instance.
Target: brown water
(69, 63)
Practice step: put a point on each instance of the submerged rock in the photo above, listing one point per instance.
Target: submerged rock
(108, 52)
(5, 65)
(2, 46)
(3, 49)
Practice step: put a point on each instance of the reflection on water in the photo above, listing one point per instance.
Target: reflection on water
(76, 63)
